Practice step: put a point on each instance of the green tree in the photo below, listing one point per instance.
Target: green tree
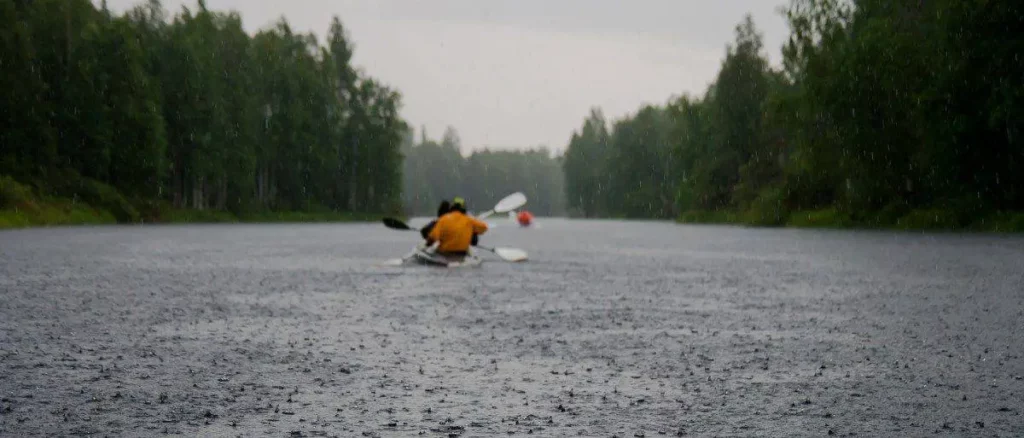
(740, 92)
(28, 142)
(191, 109)
(586, 157)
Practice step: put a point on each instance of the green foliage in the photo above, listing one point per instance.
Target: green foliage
(888, 216)
(53, 214)
(1000, 222)
(641, 179)
(709, 217)
(884, 114)
(191, 110)
(13, 194)
(768, 209)
(20, 207)
(586, 178)
(929, 219)
(107, 198)
(824, 218)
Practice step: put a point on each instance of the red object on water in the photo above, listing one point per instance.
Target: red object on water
(525, 218)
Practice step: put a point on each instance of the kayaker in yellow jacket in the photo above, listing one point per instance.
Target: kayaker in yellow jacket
(456, 231)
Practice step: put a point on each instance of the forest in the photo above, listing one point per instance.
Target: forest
(152, 117)
(436, 171)
(882, 114)
(142, 115)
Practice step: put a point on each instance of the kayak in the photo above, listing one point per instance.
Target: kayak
(430, 258)
(524, 218)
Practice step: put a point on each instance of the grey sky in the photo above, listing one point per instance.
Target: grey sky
(512, 74)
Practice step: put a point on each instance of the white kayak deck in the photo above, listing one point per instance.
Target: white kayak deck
(429, 257)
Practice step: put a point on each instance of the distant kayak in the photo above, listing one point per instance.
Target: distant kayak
(525, 218)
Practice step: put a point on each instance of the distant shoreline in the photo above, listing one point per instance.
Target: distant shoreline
(21, 206)
(934, 220)
(60, 216)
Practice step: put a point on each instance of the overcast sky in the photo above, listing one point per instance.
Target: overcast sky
(523, 73)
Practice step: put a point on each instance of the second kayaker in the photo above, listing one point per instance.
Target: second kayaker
(442, 210)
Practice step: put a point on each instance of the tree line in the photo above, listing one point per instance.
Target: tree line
(192, 111)
(436, 171)
(882, 112)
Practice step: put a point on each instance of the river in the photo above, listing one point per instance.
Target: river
(612, 328)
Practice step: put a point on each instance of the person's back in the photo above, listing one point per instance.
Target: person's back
(454, 232)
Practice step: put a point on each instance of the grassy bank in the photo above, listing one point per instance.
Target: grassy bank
(919, 220)
(22, 206)
(46, 213)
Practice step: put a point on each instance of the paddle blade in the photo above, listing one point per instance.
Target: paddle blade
(395, 224)
(511, 202)
(511, 254)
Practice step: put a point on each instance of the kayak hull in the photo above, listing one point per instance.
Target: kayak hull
(430, 258)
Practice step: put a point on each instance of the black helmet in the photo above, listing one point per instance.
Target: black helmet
(443, 209)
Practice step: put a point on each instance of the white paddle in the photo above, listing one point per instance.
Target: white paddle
(507, 254)
(508, 204)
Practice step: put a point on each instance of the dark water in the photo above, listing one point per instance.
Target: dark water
(611, 329)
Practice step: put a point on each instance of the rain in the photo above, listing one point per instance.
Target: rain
(460, 218)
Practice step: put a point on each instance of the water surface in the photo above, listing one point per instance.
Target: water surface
(611, 329)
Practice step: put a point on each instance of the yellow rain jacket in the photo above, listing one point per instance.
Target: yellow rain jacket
(455, 231)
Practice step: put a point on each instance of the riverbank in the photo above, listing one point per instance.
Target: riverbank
(65, 213)
(21, 207)
(914, 220)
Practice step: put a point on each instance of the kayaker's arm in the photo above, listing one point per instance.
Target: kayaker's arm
(425, 231)
(479, 226)
(434, 235)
